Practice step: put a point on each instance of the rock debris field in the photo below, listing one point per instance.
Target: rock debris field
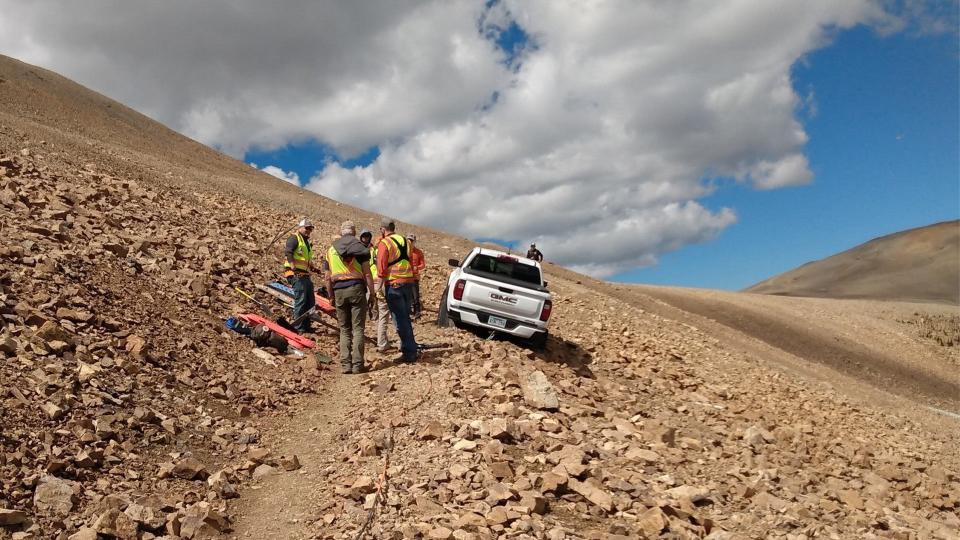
(129, 411)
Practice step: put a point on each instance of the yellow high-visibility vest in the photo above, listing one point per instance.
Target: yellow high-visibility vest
(301, 257)
(341, 270)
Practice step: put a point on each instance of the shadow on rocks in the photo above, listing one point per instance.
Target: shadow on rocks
(557, 350)
(567, 353)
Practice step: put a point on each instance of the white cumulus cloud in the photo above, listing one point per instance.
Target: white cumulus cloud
(277, 172)
(594, 141)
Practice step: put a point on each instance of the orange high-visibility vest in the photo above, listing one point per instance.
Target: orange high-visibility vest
(398, 260)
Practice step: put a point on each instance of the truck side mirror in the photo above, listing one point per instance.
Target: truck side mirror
(453, 262)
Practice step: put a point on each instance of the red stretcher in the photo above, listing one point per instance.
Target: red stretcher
(293, 338)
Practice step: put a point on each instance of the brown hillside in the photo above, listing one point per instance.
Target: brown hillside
(920, 264)
(129, 411)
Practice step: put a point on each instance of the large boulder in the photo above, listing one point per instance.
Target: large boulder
(54, 496)
(539, 393)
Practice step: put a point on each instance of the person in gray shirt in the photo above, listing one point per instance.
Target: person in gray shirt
(297, 265)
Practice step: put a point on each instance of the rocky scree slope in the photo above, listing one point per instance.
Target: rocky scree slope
(129, 412)
(627, 426)
(121, 391)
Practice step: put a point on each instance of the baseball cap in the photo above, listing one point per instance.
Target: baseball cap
(305, 223)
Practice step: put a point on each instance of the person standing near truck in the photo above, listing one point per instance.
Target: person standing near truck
(395, 278)
(382, 312)
(534, 254)
(419, 265)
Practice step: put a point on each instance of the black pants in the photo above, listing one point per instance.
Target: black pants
(416, 307)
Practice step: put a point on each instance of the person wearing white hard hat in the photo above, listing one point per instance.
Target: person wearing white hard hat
(297, 265)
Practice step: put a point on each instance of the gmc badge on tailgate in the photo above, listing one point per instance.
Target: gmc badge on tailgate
(504, 299)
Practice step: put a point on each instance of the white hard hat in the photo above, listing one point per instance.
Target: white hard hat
(305, 223)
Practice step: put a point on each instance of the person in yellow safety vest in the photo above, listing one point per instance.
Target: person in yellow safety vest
(350, 287)
(382, 312)
(395, 279)
(297, 265)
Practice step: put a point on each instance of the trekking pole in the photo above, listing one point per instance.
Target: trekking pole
(429, 346)
(275, 238)
(305, 314)
(266, 309)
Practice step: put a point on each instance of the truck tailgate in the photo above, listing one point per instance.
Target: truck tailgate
(502, 299)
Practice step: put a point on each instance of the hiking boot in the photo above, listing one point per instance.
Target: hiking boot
(346, 370)
(359, 370)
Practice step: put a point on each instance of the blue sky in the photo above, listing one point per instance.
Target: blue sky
(882, 118)
(884, 151)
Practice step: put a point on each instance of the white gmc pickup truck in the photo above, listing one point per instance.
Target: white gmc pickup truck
(497, 291)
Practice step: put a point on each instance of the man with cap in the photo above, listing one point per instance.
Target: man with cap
(419, 265)
(297, 265)
(395, 278)
(534, 253)
(350, 286)
(380, 312)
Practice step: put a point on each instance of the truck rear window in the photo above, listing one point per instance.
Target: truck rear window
(506, 267)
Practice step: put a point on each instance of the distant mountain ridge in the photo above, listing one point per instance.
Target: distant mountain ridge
(921, 264)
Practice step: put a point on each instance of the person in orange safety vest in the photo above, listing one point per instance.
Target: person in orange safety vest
(395, 277)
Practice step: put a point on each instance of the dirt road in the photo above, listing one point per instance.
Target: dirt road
(867, 340)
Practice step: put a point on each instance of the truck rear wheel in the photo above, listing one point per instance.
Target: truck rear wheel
(538, 341)
(443, 316)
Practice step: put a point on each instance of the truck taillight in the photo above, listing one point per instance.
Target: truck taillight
(545, 312)
(458, 289)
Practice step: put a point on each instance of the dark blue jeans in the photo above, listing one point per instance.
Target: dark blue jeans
(399, 300)
(303, 299)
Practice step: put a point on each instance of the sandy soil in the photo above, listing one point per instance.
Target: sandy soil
(916, 265)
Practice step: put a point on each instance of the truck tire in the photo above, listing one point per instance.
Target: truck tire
(538, 341)
(443, 316)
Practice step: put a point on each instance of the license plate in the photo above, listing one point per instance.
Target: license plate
(497, 321)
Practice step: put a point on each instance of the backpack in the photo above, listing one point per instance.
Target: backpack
(265, 337)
